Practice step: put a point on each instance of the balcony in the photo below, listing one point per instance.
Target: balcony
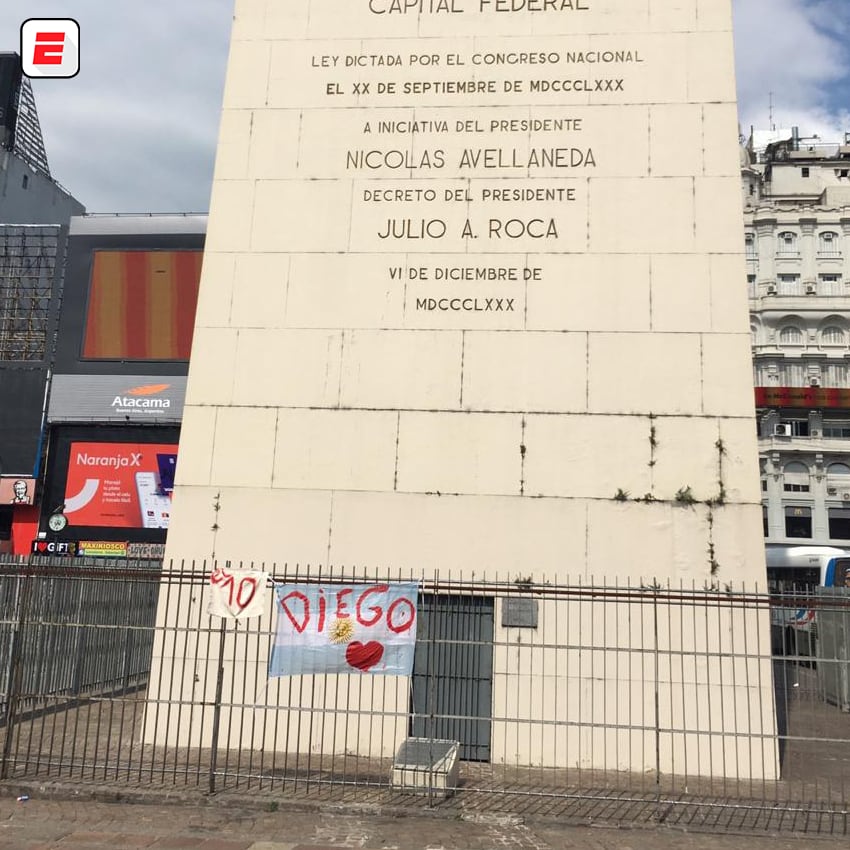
(790, 295)
(819, 445)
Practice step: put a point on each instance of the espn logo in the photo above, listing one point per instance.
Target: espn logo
(50, 48)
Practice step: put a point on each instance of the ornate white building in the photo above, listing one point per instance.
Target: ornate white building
(797, 232)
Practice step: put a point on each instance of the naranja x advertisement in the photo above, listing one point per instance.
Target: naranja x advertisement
(120, 485)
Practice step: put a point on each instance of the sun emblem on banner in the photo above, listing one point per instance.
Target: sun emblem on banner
(341, 631)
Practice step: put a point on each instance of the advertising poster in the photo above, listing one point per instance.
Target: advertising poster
(120, 485)
(17, 490)
(102, 549)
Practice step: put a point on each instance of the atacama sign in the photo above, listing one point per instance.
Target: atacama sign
(103, 398)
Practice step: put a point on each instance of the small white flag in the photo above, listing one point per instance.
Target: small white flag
(237, 594)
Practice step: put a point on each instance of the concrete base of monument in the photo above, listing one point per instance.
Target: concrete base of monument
(635, 683)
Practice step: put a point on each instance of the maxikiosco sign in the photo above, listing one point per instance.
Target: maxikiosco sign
(117, 398)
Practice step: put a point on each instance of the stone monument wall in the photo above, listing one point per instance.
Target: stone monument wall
(474, 299)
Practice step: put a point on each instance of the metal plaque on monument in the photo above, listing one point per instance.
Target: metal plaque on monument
(474, 300)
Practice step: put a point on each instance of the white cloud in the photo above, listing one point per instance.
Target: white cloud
(795, 50)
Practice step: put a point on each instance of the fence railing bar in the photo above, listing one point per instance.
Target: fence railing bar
(216, 722)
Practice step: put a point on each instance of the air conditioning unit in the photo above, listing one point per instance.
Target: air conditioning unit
(811, 289)
(781, 430)
(771, 289)
(846, 497)
(815, 382)
(831, 491)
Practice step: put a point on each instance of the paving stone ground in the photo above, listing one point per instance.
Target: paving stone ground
(42, 824)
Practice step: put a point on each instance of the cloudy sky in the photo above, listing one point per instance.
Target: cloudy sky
(136, 130)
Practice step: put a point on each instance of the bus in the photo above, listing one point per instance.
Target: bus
(800, 569)
(794, 572)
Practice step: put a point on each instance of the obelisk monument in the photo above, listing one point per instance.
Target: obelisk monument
(473, 296)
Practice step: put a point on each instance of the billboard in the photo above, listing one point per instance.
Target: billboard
(131, 398)
(824, 397)
(120, 485)
(141, 305)
(130, 295)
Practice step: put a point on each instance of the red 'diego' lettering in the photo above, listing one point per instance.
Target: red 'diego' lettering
(376, 610)
(401, 614)
(341, 612)
(401, 603)
(299, 627)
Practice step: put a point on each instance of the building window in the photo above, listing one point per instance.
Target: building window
(838, 481)
(837, 431)
(794, 428)
(832, 335)
(789, 284)
(750, 246)
(839, 523)
(798, 521)
(829, 284)
(791, 335)
(26, 181)
(764, 522)
(828, 244)
(796, 488)
(787, 244)
(795, 478)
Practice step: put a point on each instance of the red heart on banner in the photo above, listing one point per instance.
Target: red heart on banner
(364, 655)
(42, 547)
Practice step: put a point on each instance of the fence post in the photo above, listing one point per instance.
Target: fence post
(15, 670)
(217, 706)
(7, 680)
(655, 675)
(82, 639)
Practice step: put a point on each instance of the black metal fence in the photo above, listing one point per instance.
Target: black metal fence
(700, 706)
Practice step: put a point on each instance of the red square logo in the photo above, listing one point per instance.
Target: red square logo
(50, 48)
